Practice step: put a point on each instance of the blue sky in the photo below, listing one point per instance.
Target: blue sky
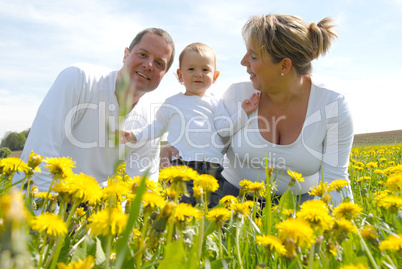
(39, 38)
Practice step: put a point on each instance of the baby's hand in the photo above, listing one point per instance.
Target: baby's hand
(127, 136)
(249, 105)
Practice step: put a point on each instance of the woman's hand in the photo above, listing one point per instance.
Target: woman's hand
(251, 104)
(166, 154)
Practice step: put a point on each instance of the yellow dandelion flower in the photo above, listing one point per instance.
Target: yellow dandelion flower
(337, 185)
(176, 176)
(272, 243)
(136, 232)
(249, 203)
(391, 163)
(358, 168)
(332, 248)
(378, 172)
(121, 169)
(352, 266)
(359, 164)
(296, 230)
(382, 194)
(244, 186)
(295, 176)
(344, 226)
(51, 224)
(84, 188)
(151, 200)
(392, 243)
(257, 189)
(363, 178)
(60, 167)
(288, 212)
(11, 165)
(393, 170)
(319, 190)
(87, 263)
(13, 208)
(42, 195)
(198, 191)
(316, 213)
(258, 221)
(218, 215)
(151, 185)
(103, 221)
(240, 209)
(368, 232)
(371, 165)
(80, 212)
(206, 182)
(169, 193)
(228, 200)
(394, 183)
(392, 203)
(186, 212)
(381, 160)
(119, 189)
(348, 210)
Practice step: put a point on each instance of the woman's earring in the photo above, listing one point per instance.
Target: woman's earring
(282, 74)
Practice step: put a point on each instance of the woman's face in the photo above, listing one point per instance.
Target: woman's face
(263, 72)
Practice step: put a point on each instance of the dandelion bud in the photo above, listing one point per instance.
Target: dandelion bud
(34, 191)
(160, 224)
(326, 198)
(34, 160)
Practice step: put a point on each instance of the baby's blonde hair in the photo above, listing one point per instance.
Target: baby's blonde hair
(198, 47)
(288, 36)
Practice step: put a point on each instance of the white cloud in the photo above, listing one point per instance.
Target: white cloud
(40, 38)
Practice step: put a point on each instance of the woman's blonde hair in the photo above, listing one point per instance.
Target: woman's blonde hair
(288, 36)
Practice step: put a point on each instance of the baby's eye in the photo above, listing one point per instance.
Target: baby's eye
(205, 69)
(191, 69)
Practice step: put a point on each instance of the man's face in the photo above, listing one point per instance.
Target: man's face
(147, 62)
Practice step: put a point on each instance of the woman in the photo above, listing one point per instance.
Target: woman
(298, 125)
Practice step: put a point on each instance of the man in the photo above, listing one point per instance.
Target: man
(84, 107)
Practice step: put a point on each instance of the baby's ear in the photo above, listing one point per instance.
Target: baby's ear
(216, 75)
(179, 75)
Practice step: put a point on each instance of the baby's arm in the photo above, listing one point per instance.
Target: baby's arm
(127, 136)
(154, 130)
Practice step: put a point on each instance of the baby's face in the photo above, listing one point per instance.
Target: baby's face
(197, 72)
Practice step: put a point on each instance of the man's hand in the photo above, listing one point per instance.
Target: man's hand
(249, 105)
(166, 154)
